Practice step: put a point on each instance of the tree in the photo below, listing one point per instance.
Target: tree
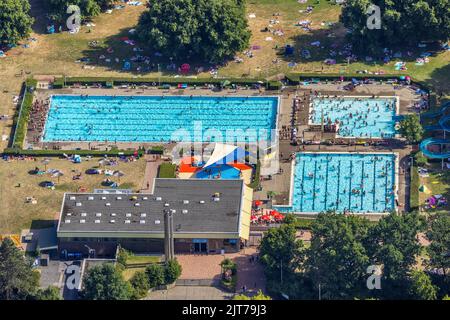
(421, 287)
(50, 293)
(140, 285)
(15, 21)
(279, 250)
(258, 296)
(172, 271)
(155, 275)
(399, 23)
(394, 245)
(18, 281)
(280, 253)
(439, 236)
(411, 128)
(88, 8)
(104, 282)
(209, 30)
(337, 259)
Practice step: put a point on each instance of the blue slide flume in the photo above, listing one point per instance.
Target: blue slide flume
(434, 155)
(444, 124)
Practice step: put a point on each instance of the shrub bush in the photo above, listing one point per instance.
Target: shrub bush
(140, 285)
(155, 275)
(420, 159)
(274, 85)
(228, 264)
(256, 178)
(122, 256)
(172, 271)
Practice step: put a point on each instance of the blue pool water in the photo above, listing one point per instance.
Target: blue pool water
(360, 183)
(359, 118)
(221, 171)
(156, 118)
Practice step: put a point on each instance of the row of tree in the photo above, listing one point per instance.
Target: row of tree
(105, 282)
(337, 265)
(19, 281)
(215, 30)
(57, 9)
(395, 24)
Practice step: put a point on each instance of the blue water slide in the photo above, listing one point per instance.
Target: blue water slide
(433, 114)
(434, 155)
(444, 124)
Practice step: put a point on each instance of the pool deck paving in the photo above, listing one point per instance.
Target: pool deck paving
(280, 183)
(151, 172)
(250, 273)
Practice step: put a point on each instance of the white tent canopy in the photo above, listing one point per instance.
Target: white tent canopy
(221, 151)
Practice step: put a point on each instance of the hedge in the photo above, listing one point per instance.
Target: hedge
(274, 85)
(57, 153)
(296, 78)
(22, 120)
(167, 170)
(256, 179)
(303, 223)
(414, 190)
(31, 83)
(108, 81)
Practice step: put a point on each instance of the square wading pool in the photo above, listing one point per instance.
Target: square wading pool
(343, 182)
(161, 118)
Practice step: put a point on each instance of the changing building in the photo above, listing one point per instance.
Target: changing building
(208, 216)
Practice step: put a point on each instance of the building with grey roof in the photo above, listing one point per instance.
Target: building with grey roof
(208, 216)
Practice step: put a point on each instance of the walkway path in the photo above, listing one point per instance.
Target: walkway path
(250, 274)
(151, 172)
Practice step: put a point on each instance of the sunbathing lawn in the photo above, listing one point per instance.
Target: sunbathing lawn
(438, 182)
(15, 214)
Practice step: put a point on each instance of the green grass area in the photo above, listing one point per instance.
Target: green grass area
(129, 273)
(134, 259)
(438, 182)
(414, 190)
(127, 185)
(167, 170)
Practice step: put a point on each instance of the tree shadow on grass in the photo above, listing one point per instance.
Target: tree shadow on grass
(333, 40)
(440, 80)
(38, 12)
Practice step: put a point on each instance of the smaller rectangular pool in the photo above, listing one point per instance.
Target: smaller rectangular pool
(357, 117)
(343, 182)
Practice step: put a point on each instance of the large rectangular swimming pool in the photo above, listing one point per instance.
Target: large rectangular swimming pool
(160, 119)
(343, 182)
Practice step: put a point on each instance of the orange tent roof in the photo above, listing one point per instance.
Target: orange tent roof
(239, 165)
(186, 165)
